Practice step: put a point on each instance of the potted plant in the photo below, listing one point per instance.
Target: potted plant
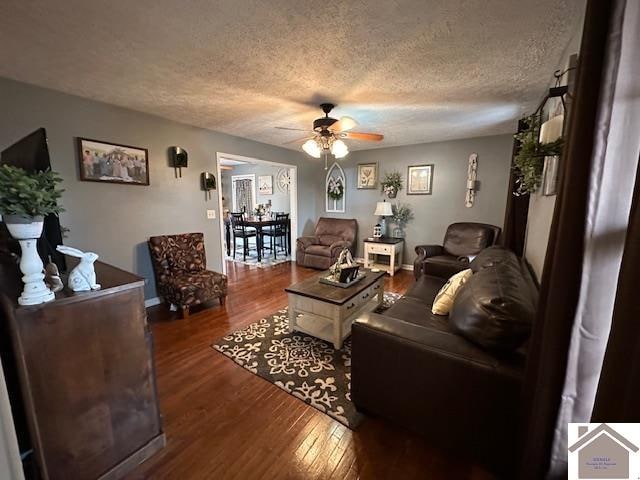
(25, 199)
(402, 215)
(529, 161)
(391, 184)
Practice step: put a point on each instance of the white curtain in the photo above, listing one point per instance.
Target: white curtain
(615, 161)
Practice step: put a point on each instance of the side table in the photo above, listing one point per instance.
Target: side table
(381, 247)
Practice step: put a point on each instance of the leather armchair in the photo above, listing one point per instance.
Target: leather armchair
(461, 240)
(322, 249)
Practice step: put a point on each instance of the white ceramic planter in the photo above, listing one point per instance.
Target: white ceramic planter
(27, 231)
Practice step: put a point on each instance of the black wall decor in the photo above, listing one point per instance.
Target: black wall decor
(208, 180)
(178, 158)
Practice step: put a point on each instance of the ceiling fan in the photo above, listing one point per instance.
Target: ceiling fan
(327, 135)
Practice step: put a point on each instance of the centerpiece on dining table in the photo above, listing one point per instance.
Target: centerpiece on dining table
(260, 211)
(344, 272)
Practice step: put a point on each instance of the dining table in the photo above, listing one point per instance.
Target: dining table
(260, 222)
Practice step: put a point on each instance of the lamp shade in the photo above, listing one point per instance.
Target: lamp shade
(383, 209)
(339, 149)
(312, 148)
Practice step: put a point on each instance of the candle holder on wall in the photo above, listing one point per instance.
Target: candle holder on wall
(178, 159)
(208, 183)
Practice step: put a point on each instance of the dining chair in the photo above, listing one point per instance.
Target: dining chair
(240, 230)
(279, 231)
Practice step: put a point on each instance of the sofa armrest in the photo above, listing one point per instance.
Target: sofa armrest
(336, 247)
(424, 252)
(304, 242)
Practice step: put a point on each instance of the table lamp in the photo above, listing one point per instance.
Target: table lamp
(383, 209)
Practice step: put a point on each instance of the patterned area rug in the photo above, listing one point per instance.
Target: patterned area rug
(252, 258)
(304, 366)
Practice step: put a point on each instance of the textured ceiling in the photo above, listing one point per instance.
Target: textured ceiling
(414, 70)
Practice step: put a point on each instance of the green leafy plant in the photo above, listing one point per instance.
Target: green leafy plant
(402, 214)
(391, 184)
(529, 161)
(29, 194)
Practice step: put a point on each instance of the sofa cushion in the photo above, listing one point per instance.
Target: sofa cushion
(417, 312)
(425, 289)
(495, 308)
(443, 302)
(492, 256)
(321, 250)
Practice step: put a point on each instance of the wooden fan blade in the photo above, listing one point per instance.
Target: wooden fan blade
(295, 129)
(298, 140)
(371, 137)
(344, 124)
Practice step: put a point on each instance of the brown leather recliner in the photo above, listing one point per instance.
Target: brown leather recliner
(461, 240)
(323, 248)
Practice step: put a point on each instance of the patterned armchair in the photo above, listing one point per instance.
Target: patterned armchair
(179, 263)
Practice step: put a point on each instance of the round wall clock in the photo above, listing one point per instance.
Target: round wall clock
(283, 180)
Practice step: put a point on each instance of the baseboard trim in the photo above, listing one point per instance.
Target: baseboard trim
(150, 302)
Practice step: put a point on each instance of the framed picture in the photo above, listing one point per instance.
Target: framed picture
(420, 179)
(112, 163)
(265, 184)
(367, 175)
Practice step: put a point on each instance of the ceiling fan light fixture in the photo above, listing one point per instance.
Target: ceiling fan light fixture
(339, 149)
(311, 148)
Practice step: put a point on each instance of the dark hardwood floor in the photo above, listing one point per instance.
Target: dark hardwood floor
(223, 422)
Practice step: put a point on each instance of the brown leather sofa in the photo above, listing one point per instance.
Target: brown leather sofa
(461, 240)
(322, 249)
(455, 379)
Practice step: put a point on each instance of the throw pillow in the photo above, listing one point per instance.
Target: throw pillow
(443, 302)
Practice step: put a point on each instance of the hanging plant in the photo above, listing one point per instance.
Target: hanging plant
(391, 184)
(335, 189)
(529, 161)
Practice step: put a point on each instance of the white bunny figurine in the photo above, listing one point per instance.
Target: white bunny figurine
(83, 276)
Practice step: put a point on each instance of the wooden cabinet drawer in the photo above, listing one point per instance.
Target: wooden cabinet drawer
(379, 248)
(363, 297)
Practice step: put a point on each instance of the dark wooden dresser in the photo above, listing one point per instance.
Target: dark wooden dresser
(85, 366)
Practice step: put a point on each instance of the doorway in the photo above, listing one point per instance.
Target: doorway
(248, 182)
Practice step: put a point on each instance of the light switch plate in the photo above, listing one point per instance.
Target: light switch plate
(211, 214)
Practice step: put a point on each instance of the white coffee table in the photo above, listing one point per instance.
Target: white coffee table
(326, 311)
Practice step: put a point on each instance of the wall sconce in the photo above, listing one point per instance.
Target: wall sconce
(178, 158)
(208, 182)
(472, 182)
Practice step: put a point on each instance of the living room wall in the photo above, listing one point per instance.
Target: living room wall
(433, 213)
(116, 220)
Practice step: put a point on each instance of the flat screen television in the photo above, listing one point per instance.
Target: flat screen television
(32, 154)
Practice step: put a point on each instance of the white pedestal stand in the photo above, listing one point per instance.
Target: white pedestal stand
(35, 290)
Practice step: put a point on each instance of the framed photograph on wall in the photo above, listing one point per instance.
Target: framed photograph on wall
(112, 163)
(367, 176)
(265, 184)
(420, 179)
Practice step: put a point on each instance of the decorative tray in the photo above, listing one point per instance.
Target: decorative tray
(329, 281)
